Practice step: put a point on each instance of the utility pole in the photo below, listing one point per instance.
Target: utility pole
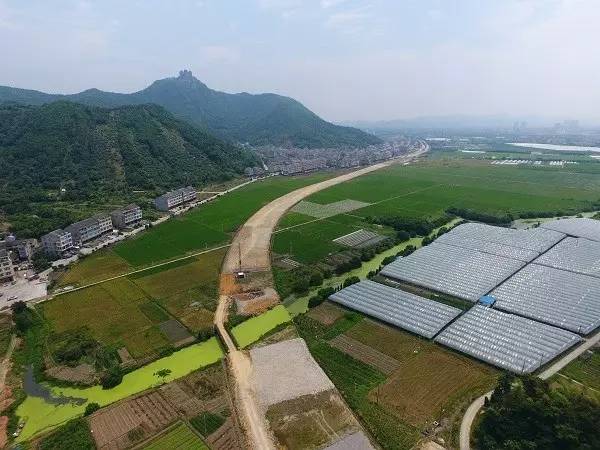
(240, 256)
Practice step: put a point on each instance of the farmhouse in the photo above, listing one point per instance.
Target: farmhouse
(57, 242)
(175, 198)
(88, 229)
(126, 217)
(6, 266)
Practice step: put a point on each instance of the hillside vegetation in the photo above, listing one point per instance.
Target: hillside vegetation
(257, 119)
(64, 152)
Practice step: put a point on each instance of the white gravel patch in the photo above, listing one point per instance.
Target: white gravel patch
(356, 441)
(286, 370)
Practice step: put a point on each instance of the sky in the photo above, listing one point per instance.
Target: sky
(344, 59)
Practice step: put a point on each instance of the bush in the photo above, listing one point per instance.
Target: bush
(206, 333)
(326, 292)
(350, 281)
(315, 301)
(388, 260)
(91, 408)
(112, 377)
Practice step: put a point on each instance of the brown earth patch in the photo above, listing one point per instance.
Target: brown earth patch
(311, 421)
(422, 389)
(326, 313)
(364, 353)
(84, 374)
(122, 425)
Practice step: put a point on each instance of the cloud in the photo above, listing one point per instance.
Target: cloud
(350, 20)
(331, 3)
(219, 54)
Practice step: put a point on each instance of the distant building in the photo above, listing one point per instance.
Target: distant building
(22, 249)
(175, 198)
(6, 266)
(126, 217)
(57, 242)
(88, 229)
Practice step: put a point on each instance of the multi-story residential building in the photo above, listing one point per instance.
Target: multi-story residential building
(88, 229)
(22, 249)
(6, 266)
(57, 242)
(126, 217)
(175, 198)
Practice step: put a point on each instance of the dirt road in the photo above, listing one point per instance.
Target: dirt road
(473, 410)
(252, 245)
(253, 240)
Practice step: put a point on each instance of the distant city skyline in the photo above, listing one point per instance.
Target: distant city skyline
(344, 59)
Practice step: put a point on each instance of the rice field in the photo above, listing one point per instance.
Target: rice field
(180, 437)
(428, 189)
(186, 290)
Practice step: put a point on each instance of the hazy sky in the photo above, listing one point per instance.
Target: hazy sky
(345, 59)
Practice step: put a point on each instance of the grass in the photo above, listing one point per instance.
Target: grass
(207, 423)
(585, 370)
(187, 290)
(179, 437)
(74, 434)
(98, 267)
(253, 329)
(428, 189)
(6, 331)
(41, 415)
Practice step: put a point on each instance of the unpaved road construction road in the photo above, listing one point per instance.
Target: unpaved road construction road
(473, 410)
(252, 245)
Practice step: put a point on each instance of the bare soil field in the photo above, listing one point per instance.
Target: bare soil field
(366, 354)
(311, 421)
(128, 422)
(389, 341)
(421, 390)
(285, 371)
(326, 313)
(83, 374)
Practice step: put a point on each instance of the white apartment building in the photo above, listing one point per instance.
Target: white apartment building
(175, 198)
(88, 229)
(6, 266)
(57, 242)
(126, 217)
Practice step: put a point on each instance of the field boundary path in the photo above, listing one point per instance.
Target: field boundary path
(473, 409)
(250, 251)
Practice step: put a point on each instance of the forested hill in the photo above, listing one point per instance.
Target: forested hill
(100, 153)
(257, 119)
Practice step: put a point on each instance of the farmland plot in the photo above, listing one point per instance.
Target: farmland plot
(180, 437)
(128, 422)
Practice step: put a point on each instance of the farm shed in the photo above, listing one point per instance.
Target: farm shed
(575, 255)
(405, 310)
(557, 297)
(506, 340)
(536, 240)
(585, 228)
(463, 273)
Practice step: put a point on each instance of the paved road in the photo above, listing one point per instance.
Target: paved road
(473, 409)
(253, 243)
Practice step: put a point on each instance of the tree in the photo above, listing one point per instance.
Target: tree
(162, 374)
(350, 281)
(91, 408)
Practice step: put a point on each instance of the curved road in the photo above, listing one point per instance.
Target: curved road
(252, 243)
(473, 409)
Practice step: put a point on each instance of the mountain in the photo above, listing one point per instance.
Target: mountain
(98, 153)
(258, 119)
